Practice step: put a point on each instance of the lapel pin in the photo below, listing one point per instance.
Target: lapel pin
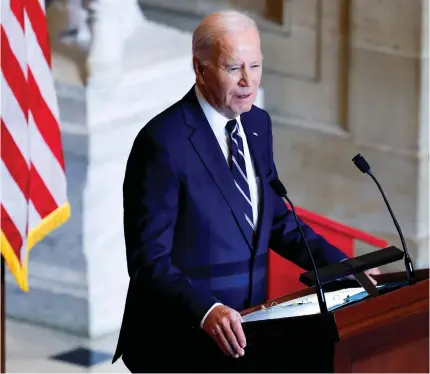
(254, 133)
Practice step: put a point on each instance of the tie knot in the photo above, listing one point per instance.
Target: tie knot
(230, 126)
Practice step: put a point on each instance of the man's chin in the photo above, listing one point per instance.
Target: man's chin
(244, 108)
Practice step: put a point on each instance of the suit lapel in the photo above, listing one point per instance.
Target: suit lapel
(207, 147)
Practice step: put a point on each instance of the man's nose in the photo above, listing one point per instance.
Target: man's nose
(245, 79)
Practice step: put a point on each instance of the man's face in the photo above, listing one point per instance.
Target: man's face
(231, 80)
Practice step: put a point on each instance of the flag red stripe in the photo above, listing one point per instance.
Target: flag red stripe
(14, 160)
(45, 120)
(11, 232)
(37, 19)
(40, 195)
(13, 73)
(17, 8)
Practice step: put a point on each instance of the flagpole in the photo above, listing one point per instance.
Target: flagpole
(3, 317)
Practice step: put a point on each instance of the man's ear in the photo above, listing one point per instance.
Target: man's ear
(198, 69)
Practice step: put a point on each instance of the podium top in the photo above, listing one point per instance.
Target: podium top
(421, 275)
(364, 315)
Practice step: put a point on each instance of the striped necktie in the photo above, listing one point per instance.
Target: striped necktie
(238, 170)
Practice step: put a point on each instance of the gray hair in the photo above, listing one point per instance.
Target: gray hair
(214, 27)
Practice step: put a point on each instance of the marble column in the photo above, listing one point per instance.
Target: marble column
(113, 23)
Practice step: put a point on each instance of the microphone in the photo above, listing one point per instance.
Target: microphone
(280, 190)
(364, 167)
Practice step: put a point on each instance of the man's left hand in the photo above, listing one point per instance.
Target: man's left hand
(370, 272)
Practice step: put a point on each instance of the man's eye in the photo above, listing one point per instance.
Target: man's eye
(233, 69)
(255, 66)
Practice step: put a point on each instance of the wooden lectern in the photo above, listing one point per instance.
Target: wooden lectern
(386, 333)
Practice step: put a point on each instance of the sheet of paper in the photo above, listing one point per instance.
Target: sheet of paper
(282, 312)
(332, 298)
(301, 306)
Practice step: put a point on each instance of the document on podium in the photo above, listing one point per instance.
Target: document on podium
(306, 305)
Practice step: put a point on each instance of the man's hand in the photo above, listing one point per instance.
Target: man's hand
(224, 325)
(370, 272)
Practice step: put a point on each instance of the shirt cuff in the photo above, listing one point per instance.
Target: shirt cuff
(207, 313)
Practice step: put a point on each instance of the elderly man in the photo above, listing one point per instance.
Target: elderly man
(200, 215)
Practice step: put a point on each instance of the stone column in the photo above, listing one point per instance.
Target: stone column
(113, 23)
(76, 27)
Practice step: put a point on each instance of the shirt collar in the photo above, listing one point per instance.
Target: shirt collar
(216, 120)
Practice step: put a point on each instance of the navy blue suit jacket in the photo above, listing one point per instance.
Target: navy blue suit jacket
(183, 225)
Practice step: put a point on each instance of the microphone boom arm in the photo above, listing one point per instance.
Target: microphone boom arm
(318, 286)
(408, 262)
(364, 167)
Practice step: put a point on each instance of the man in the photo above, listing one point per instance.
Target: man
(200, 215)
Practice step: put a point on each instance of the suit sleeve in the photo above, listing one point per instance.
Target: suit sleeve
(285, 238)
(150, 199)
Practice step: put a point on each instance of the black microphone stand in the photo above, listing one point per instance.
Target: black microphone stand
(280, 190)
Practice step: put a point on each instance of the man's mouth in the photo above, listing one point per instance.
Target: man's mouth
(242, 97)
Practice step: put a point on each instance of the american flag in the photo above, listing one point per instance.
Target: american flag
(33, 193)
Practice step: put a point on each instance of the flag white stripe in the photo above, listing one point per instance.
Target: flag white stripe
(15, 34)
(13, 200)
(42, 5)
(33, 220)
(46, 164)
(243, 193)
(34, 217)
(14, 119)
(40, 69)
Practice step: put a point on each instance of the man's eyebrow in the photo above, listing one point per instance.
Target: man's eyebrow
(231, 63)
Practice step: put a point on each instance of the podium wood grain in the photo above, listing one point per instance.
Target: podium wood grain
(386, 334)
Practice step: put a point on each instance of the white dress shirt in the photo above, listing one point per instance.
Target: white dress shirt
(218, 122)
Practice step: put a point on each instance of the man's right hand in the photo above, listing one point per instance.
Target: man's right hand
(224, 325)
